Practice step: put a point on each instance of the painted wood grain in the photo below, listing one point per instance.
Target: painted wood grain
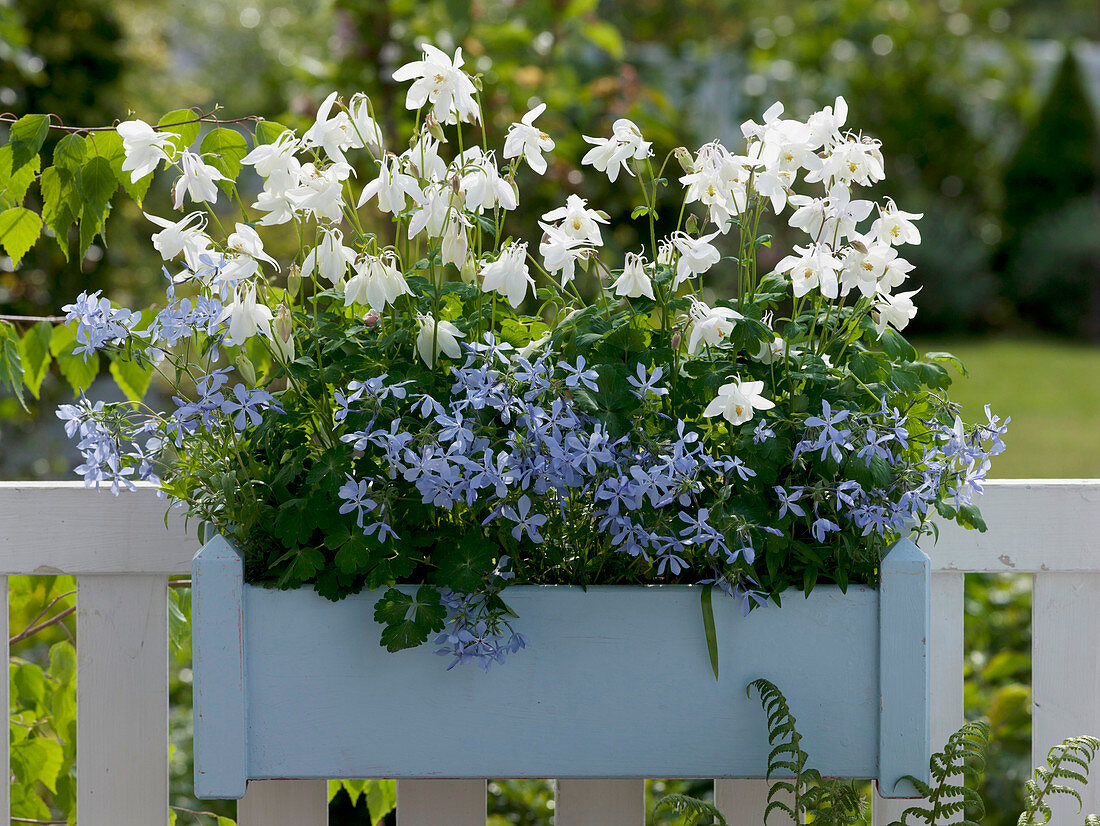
(742, 801)
(441, 803)
(946, 654)
(219, 695)
(121, 700)
(284, 803)
(904, 609)
(619, 802)
(5, 759)
(1065, 668)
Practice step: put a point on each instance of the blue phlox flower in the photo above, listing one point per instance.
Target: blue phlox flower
(788, 501)
(821, 526)
(646, 384)
(526, 520)
(576, 376)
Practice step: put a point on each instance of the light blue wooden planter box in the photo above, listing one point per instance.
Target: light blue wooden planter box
(616, 683)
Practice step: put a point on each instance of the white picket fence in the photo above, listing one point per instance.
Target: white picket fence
(122, 556)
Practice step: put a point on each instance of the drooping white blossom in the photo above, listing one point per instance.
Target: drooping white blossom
(199, 180)
(423, 160)
(527, 141)
(173, 239)
(709, 325)
(609, 155)
(634, 281)
(697, 255)
(435, 337)
(330, 258)
(455, 241)
(320, 191)
(896, 227)
(332, 132)
(437, 201)
(480, 182)
(509, 275)
(246, 317)
(895, 310)
(245, 240)
(270, 158)
(561, 252)
(392, 187)
(377, 282)
(144, 148)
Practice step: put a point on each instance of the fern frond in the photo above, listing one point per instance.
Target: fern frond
(1068, 761)
(695, 812)
(962, 758)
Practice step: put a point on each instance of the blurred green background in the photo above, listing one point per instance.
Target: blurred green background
(988, 111)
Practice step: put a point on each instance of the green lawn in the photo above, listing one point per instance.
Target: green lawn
(1050, 389)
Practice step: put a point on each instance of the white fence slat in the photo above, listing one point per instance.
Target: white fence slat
(1065, 668)
(599, 803)
(62, 528)
(742, 801)
(5, 760)
(1034, 525)
(121, 700)
(946, 652)
(441, 803)
(284, 803)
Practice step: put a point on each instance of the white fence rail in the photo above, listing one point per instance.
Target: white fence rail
(121, 555)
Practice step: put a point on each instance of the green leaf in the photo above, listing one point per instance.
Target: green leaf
(605, 36)
(60, 204)
(177, 122)
(639, 211)
(897, 347)
(709, 629)
(96, 183)
(77, 371)
(27, 136)
(225, 148)
(11, 365)
(381, 798)
(131, 377)
(408, 619)
(14, 184)
(268, 131)
(38, 759)
(19, 229)
(34, 350)
(70, 153)
(463, 565)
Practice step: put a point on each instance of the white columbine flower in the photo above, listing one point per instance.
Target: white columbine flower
(895, 310)
(246, 317)
(171, 241)
(717, 181)
(333, 134)
(509, 275)
(709, 325)
(367, 132)
(813, 266)
(455, 243)
(697, 255)
(737, 401)
(893, 226)
(825, 125)
(434, 208)
(634, 282)
(609, 154)
(423, 159)
(198, 180)
(852, 160)
(330, 258)
(391, 187)
(435, 337)
(245, 240)
(320, 191)
(528, 141)
(377, 282)
(440, 81)
(577, 220)
(481, 185)
(144, 148)
(561, 252)
(270, 158)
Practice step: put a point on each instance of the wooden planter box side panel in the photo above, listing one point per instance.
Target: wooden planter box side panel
(616, 683)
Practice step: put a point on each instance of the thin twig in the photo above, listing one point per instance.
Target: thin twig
(29, 820)
(46, 610)
(54, 620)
(8, 117)
(192, 811)
(53, 319)
(179, 583)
